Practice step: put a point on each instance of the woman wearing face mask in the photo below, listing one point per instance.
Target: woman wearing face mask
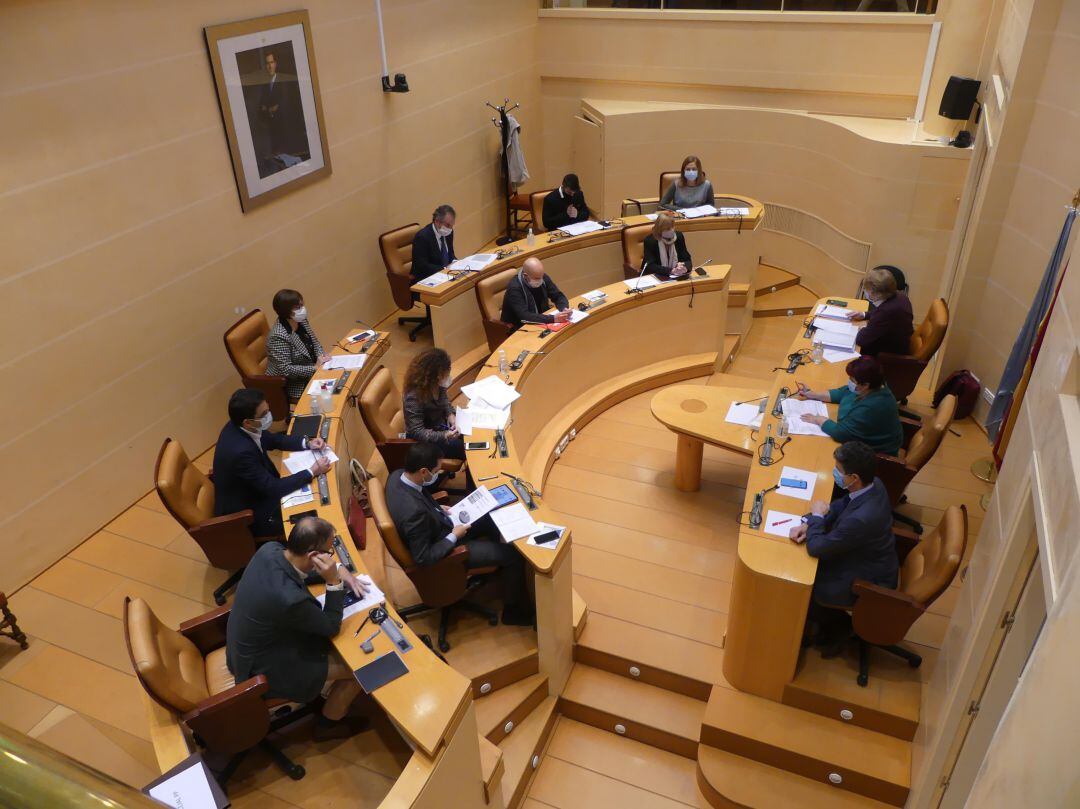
(429, 416)
(889, 322)
(691, 189)
(665, 249)
(868, 411)
(292, 349)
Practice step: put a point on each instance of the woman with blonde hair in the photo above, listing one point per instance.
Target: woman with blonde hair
(691, 189)
(889, 322)
(429, 416)
(665, 249)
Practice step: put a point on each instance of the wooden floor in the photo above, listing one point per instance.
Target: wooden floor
(646, 556)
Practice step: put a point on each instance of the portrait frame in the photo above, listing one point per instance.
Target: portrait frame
(268, 91)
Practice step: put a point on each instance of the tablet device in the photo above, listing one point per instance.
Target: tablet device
(295, 518)
(307, 426)
(380, 671)
(503, 495)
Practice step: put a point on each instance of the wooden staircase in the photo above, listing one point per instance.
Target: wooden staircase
(779, 293)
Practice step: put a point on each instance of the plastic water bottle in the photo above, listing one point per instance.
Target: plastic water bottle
(530, 239)
(817, 353)
(502, 362)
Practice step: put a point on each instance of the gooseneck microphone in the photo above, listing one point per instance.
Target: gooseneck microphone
(759, 506)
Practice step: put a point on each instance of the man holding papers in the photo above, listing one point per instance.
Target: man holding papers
(889, 322)
(868, 411)
(529, 294)
(431, 532)
(565, 205)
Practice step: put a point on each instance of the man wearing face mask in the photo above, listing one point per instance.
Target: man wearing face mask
(889, 322)
(433, 247)
(852, 539)
(565, 205)
(244, 475)
(292, 349)
(430, 534)
(664, 250)
(530, 294)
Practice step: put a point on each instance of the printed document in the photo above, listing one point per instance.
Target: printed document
(748, 415)
(353, 605)
(734, 211)
(463, 421)
(188, 789)
(831, 312)
(473, 507)
(576, 315)
(780, 523)
(484, 417)
(594, 296)
(473, 263)
(699, 211)
(493, 391)
(577, 228)
(435, 279)
(838, 355)
(794, 409)
(299, 461)
(644, 282)
(298, 498)
(345, 361)
(514, 522)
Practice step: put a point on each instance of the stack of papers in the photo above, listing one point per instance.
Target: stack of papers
(473, 263)
(353, 605)
(576, 315)
(492, 391)
(299, 497)
(700, 210)
(577, 228)
(644, 282)
(839, 355)
(834, 333)
(748, 415)
(780, 523)
(595, 296)
(795, 409)
(479, 416)
(435, 279)
(345, 361)
(514, 522)
(831, 312)
(734, 211)
(473, 507)
(299, 461)
(798, 474)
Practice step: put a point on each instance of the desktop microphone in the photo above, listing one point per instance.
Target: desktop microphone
(637, 280)
(765, 457)
(778, 408)
(759, 506)
(500, 444)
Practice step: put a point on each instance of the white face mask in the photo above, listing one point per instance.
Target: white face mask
(266, 422)
(444, 383)
(300, 315)
(429, 481)
(668, 236)
(690, 175)
(443, 231)
(851, 385)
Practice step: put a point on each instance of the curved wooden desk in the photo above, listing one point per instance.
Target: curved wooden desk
(579, 264)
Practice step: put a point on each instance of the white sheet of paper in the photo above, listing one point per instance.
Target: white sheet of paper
(514, 521)
(842, 327)
(780, 523)
(484, 417)
(299, 497)
(435, 279)
(473, 507)
(748, 415)
(594, 295)
(830, 312)
(345, 361)
(188, 789)
(493, 391)
(700, 210)
(544, 527)
(463, 421)
(794, 409)
(651, 216)
(576, 315)
(305, 459)
(798, 474)
(374, 597)
(577, 228)
(734, 211)
(644, 282)
(320, 386)
(473, 263)
(835, 340)
(838, 355)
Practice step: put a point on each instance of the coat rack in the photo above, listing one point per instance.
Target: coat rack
(503, 125)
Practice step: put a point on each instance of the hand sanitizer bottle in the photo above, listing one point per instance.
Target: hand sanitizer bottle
(530, 239)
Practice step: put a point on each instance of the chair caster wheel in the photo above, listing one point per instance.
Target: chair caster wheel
(493, 620)
(296, 772)
(444, 646)
(915, 663)
(412, 338)
(862, 680)
(219, 600)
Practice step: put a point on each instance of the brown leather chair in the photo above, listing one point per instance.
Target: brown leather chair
(633, 248)
(441, 586)
(536, 202)
(902, 371)
(188, 495)
(921, 440)
(882, 616)
(380, 407)
(245, 343)
(185, 672)
(490, 292)
(637, 206)
(666, 179)
(396, 249)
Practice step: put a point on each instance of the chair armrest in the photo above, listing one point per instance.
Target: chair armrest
(636, 206)
(910, 427)
(393, 452)
(207, 631)
(235, 720)
(444, 582)
(227, 540)
(895, 475)
(906, 540)
(881, 615)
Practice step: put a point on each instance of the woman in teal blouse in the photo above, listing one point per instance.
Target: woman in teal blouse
(868, 411)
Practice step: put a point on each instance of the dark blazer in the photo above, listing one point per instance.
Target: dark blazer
(888, 327)
(420, 521)
(288, 355)
(555, 205)
(277, 628)
(427, 257)
(426, 420)
(520, 304)
(652, 254)
(853, 541)
(245, 477)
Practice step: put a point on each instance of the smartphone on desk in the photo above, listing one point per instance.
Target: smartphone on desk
(477, 445)
(546, 538)
(701, 271)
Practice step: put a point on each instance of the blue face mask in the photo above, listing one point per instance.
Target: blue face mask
(851, 385)
(839, 478)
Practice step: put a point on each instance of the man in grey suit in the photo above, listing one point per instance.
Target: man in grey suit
(278, 629)
(852, 538)
(431, 535)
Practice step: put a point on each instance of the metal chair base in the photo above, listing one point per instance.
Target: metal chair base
(228, 584)
(912, 659)
(423, 323)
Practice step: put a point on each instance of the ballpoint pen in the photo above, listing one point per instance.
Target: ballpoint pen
(357, 632)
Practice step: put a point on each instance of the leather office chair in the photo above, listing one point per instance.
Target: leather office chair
(396, 249)
(637, 206)
(921, 440)
(536, 202)
(902, 371)
(188, 495)
(521, 212)
(380, 407)
(441, 586)
(185, 672)
(245, 343)
(633, 248)
(882, 616)
(666, 179)
(490, 292)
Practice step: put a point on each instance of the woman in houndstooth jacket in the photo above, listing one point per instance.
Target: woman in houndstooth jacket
(292, 349)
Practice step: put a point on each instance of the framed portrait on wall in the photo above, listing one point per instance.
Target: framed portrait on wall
(268, 89)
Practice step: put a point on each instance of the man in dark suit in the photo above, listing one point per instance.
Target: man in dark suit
(433, 247)
(278, 629)
(889, 322)
(244, 475)
(565, 205)
(852, 538)
(530, 294)
(430, 534)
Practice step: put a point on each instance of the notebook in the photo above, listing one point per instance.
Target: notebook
(380, 671)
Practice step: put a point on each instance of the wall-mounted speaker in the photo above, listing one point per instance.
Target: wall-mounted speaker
(958, 98)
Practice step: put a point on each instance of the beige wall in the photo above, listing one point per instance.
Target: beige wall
(125, 250)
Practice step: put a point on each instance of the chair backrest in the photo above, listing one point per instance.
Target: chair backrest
(536, 205)
(245, 343)
(928, 336)
(186, 493)
(169, 666)
(385, 525)
(633, 247)
(925, 442)
(490, 292)
(396, 248)
(666, 179)
(381, 408)
(931, 565)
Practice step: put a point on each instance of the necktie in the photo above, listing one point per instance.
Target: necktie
(445, 252)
